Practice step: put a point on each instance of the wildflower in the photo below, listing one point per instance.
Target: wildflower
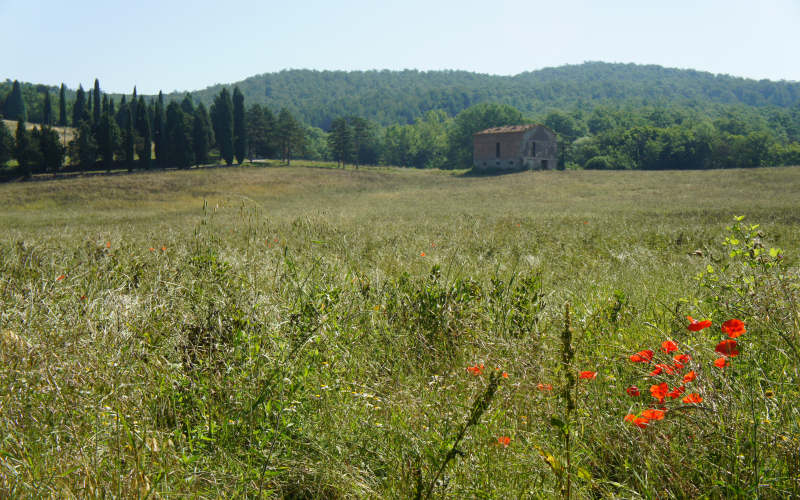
(544, 387)
(651, 414)
(659, 391)
(682, 358)
(676, 392)
(696, 326)
(587, 375)
(163, 248)
(661, 367)
(152, 249)
(769, 393)
(60, 278)
(422, 254)
(83, 297)
(108, 244)
(689, 377)
(669, 346)
(721, 362)
(733, 328)
(476, 370)
(727, 348)
(642, 356)
(633, 391)
(504, 375)
(504, 441)
(640, 422)
(692, 398)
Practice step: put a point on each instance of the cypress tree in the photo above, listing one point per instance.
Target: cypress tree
(83, 149)
(6, 144)
(239, 131)
(96, 111)
(14, 108)
(222, 122)
(108, 136)
(79, 112)
(22, 148)
(89, 101)
(122, 114)
(47, 119)
(52, 152)
(178, 137)
(62, 107)
(128, 139)
(159, 131)
(201, 132)
(144, 131)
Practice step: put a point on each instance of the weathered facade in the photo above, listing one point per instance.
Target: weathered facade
(520, 147)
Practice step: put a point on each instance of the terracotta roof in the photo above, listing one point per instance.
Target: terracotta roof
(508, 129)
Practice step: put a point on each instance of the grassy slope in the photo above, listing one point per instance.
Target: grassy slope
(291, 284)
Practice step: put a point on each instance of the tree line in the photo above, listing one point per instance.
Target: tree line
(140, 133)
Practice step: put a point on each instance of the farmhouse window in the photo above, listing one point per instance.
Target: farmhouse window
(533, 149)
(497, 150)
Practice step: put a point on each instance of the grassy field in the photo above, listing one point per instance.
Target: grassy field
(306, 332)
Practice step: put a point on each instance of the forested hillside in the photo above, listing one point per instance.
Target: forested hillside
(392, 97)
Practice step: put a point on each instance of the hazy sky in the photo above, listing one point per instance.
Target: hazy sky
(173, 45)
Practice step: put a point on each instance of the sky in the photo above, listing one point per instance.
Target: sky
(169, 45)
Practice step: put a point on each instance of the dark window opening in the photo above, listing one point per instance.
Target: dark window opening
(497, 150)
(533, 149)
(544, 163)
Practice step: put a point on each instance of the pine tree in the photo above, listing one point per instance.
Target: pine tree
(47, 119)
(290, 135)
(79, 112)
(222, 121)
(239, 130)
(14, 108)
(201, 134)
(260, 125)
(96, 111)
(159, 131)
(62, 107)
(340, 141)
(128, 138)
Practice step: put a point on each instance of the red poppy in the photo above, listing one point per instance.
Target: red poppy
(640, 422)
(83, 297)
(476, 370)
(721, 362)
(108, 244)
(669, 346)
(633, 391)
(163, 248)
(651, 414)
(676, 392)
(727, 348)
(504, 375)
(682, 358)
(692, 398)
(544, 387)
(661, 367)
(152, 249)
(422, 254)
(587, 375)
(696, 326)
(642, 356)
(689, 377)
(504, 441)
(733, 327)
(659, 391)
(60, 278)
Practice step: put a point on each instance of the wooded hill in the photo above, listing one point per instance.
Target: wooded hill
(398, 97)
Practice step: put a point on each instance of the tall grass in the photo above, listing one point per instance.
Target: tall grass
(305, 332)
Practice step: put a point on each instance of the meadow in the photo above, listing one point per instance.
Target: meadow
(313, 332)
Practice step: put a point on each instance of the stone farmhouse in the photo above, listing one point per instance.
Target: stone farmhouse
(515, 147)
